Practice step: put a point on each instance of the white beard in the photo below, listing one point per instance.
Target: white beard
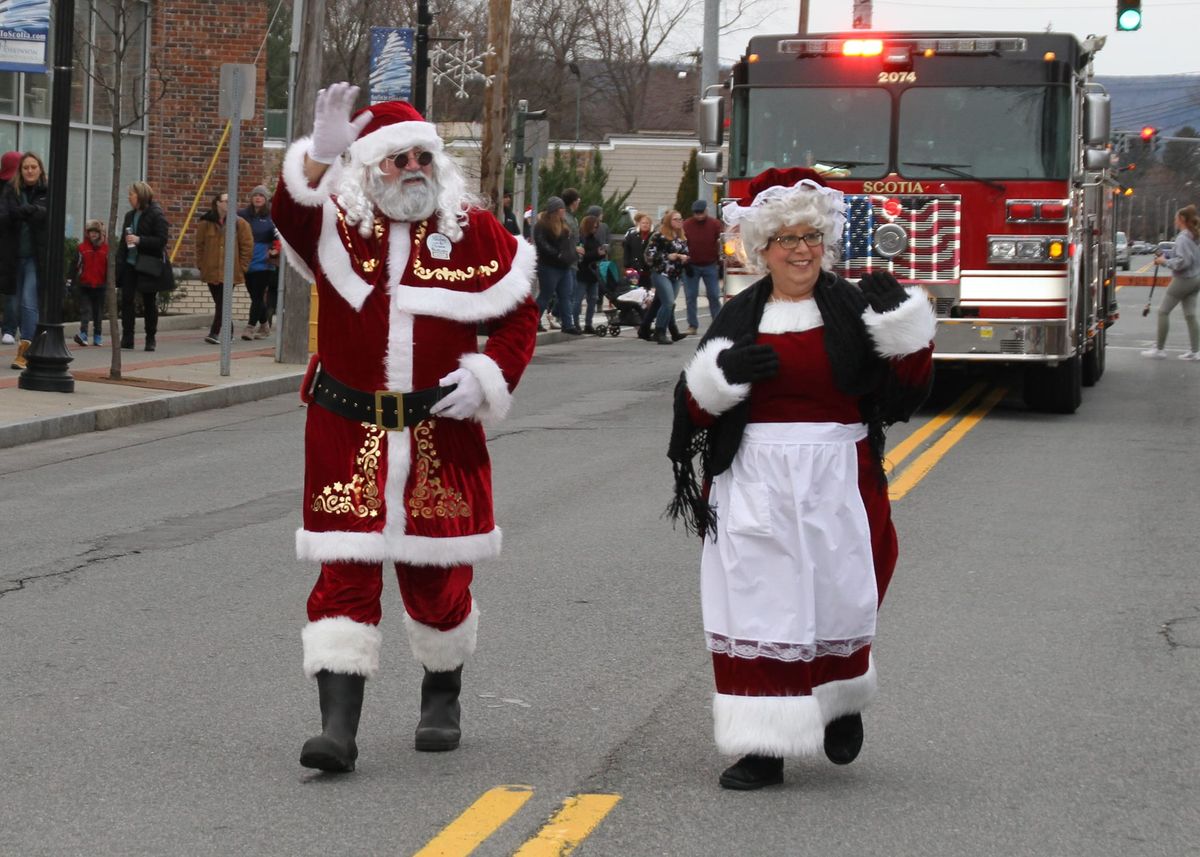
(398, 200)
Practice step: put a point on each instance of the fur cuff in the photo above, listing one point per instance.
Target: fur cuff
(707, 383)
(297, 184)
(768, 725)
(440, 651)
(906, 329)
(497, 398)
(341, 645)
(849, 695)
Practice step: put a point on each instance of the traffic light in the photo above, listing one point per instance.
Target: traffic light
(1129, 15)
(1149, 135)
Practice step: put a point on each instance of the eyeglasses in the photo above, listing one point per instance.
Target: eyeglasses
(401, 160)
(791, 242)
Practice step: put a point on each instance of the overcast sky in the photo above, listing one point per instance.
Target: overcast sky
(1168, 43)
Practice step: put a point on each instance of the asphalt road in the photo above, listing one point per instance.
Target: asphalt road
(1038, 652)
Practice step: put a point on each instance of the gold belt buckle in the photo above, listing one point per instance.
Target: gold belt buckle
(380, 397)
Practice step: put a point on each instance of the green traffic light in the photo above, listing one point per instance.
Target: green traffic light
(1129, 19)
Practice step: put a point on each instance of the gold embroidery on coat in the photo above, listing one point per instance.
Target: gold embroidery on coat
(367, 266)
(453, 274)
(430, 498)
(360, 496)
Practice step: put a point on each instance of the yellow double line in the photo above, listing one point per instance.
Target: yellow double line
(924, 462)
(574, 821)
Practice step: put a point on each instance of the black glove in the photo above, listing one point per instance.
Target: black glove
(745, 362)
(882, 291)
(27, 209)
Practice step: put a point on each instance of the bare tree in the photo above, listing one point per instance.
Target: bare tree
(109, 46)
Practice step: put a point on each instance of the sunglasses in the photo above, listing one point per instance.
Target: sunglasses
(791, 242)
(401, 160)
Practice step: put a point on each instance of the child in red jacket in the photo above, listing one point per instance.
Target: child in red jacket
(91, 277)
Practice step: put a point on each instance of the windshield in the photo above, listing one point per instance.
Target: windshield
(800, 127)
(990, 132)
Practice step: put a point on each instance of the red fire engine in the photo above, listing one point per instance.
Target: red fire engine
(975, 165)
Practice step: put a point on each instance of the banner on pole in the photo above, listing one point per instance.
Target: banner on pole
(391, 77)
(24, 29)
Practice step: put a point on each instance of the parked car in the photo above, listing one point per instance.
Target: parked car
(1122, 251)
(1140, 248)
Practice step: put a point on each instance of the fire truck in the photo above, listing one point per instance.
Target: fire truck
(975, 165)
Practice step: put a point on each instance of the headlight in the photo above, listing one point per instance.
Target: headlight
(1025, 248)
(1001, 250)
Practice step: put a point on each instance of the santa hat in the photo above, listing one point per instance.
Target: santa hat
(395, 126)
(774, 184)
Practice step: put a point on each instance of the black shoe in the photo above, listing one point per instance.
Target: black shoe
(675, 334)
(439, 728)
(126, 344)
(753, 772)
(572, 331)
(335, 749)
(150, 343)
(587, 328)
(644, 333)
(844, 738)
(661, 338)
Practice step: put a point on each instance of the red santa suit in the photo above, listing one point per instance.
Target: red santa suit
(399, 309)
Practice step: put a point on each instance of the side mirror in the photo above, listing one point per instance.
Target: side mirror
(708, 162)
(711, 122)
(1097, 118)
(1096, 159)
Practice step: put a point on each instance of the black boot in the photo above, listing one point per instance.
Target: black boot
(675, 334)
(439, 729)
(844, 738)
(753, 772)
(151, 344)
(660, 336)
(341, 704)
(127, 342)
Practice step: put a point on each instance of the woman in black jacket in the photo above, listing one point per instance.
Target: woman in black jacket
(555, 255)
(144, 235)
(25, 203)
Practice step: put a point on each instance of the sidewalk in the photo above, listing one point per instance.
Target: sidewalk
(181, 377)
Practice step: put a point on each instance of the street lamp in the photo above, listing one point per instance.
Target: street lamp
(574, 68)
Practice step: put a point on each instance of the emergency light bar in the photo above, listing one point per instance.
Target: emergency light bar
(928, 47)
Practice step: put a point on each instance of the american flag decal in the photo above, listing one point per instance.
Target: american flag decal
(932, 224)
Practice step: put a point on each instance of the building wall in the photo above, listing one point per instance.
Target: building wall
(191, 39)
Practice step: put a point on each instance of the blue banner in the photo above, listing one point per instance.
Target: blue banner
(24, 28)
(391, 77)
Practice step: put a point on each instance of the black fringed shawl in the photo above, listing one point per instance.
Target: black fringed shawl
(857, 371)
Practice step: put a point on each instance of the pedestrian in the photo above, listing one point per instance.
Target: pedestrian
(142, 267)
(666, 254)
(704, 246)
(264, 267)
(555, 255)
(210, 258)
(594, 252)
(1184, 262)
(408, 264)
(509, 218)
(603, 233)
(569, 315)
(634, 252)
(786, 401)
(91, 281)
(10, 223)
(27, 207)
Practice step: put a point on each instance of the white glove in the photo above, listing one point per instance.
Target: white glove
(333, 130)
(461, 403)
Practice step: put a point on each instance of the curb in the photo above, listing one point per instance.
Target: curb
(148, 410)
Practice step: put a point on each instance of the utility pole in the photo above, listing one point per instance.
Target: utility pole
(495, 66)
(861, 19)
(421, 99)
(293, 324)
(708, 69)
(802, 27)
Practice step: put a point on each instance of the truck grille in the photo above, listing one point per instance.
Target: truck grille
(932, 228)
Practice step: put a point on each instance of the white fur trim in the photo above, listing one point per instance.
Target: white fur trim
(335, 261)
(498, 299)
(297, 183)
(790, 317)
(905, 329)
(397, 547)
(296, 262)
(441, 651)
(341, 645)
(849, 695)
(497, 398)
(398, 448)
(768, 725)
(397, 137)
(399, 359)
(707, 383)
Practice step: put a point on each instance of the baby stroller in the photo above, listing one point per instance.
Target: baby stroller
(622, 302)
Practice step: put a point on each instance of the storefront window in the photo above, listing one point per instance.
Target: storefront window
(76, 187)
(37, 96)
(36, 138)
(8, 136)
(8, 92)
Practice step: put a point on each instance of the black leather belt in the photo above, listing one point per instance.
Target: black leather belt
(391, 411)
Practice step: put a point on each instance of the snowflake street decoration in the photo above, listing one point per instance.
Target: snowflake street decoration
(459, 66)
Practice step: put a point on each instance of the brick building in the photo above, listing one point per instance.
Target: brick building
(188, 40)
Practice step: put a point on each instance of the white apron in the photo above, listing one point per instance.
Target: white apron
(790, 574)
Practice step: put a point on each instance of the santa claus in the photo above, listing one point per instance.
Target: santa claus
(407, 267)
